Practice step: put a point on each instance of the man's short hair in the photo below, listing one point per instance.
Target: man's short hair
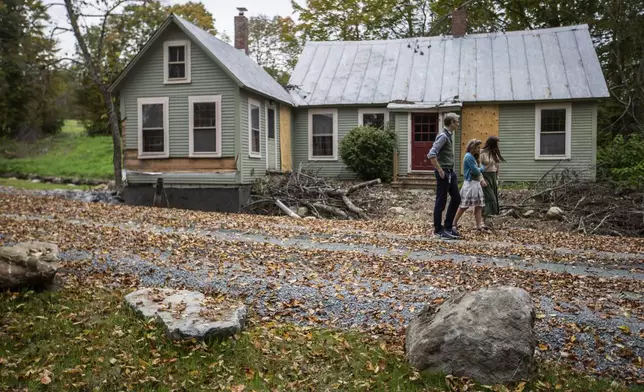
(450, 118)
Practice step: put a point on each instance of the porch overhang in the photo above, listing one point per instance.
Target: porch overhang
(423, 106)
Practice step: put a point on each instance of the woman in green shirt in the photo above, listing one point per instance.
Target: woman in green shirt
(491, 158)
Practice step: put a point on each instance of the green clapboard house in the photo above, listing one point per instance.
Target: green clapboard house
(204, 117)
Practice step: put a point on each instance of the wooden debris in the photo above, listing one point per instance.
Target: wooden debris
(322, 197)
(589, 207)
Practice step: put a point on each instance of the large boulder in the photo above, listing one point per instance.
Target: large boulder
(189, 314)
(28, 264)
(486, 335)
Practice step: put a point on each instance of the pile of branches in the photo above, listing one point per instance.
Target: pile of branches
(589, 207)
(284, 194)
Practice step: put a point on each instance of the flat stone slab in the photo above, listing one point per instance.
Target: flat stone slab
(189, 314)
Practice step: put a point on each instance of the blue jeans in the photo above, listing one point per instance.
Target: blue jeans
(446, 185)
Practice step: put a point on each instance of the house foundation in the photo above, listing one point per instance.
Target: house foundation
(214, 199)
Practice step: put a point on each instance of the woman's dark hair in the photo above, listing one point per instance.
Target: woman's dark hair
(492, 147)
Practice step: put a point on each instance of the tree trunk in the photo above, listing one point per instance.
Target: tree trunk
(116, 138)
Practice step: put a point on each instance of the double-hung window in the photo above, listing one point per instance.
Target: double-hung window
(254, 133)
(176, 55)
(553, 126)
(153, 127)
(377, 118)
(323, 134)
(205, 126)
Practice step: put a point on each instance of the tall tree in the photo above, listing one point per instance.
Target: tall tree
(29, 81)
(348, 20)
(270, 48)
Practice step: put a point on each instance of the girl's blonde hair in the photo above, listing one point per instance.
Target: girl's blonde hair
(471, 146)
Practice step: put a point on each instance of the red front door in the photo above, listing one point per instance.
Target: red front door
(424, 128)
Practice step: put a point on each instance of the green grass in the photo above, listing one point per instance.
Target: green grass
(26, 184)
(85, 339)
(73, 127)
(69, 154)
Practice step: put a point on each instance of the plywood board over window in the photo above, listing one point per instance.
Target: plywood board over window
(285, 138)
(478, 122)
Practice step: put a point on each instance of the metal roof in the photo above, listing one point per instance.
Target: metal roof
(246, 72)
(546, 64)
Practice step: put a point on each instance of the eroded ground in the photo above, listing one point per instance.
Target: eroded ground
(589, 290)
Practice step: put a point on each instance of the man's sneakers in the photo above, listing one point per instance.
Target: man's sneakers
(454, 232)
(448, 234)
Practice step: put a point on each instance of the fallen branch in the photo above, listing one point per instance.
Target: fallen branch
(332, 210)
(287, 210)
(352, 207)
(362, 185)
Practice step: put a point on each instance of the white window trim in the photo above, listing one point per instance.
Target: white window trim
(252, 153)
(166, 130)
(362, 112)
(274, 107)
(201, 99)
(335, 134)
(166, 60)
(537, 131)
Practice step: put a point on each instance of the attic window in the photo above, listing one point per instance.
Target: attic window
(176, 56)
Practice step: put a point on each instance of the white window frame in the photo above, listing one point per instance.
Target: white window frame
(166, 61)
(537, 130)
(267, 106)
(335, 134)
(204, 99)
(362, 112)
(251, 153)
(166, 129)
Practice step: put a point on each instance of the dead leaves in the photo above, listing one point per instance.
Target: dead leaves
(376, 293)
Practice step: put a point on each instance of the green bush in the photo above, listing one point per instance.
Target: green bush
(368, 152)
(623, 160)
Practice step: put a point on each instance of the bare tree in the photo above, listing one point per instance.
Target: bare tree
(91, 60)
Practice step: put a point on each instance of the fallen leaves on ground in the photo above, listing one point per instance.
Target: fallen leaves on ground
(587, 321)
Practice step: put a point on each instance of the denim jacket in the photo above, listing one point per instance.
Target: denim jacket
(469, 167)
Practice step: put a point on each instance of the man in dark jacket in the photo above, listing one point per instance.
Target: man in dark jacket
(441, 157)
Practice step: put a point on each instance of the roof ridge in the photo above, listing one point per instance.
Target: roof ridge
(582, 26)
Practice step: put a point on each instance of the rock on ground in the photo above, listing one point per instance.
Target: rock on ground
(555, 213)
(189, 314)
(28, 264)
(486, 335)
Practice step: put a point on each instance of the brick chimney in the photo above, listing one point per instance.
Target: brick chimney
(241, 30)
(459, 22)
